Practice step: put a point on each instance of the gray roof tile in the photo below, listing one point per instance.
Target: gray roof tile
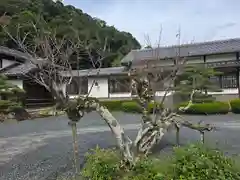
(203, 48)
(100, 72)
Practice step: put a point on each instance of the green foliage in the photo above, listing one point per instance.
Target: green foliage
(113, 105)
(235, 106)
(207, 108)
(196, 162)
(191, 162)
(66, 21)
(106, 165)
(102, 165)
(11, 96)
(196, 78)
(129, 106)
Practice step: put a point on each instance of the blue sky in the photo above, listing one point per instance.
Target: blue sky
(199, 20)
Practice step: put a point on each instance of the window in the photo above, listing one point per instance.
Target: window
(215, 80)
(229, 81)
(119, 84)
(79, 85)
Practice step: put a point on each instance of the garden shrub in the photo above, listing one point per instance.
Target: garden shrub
(235, 105)
(102, 165)
(191, 162)
(196, 162)
(114, 105)
(106, 165)
(129, 106)
(7, 106)
(207, 108)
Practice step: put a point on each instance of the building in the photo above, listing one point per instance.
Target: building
(16, 66)
(222, 55)
(114, 83)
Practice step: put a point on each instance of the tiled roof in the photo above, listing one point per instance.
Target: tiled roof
(14, 53)
(94, 72)
(194, 49)
(19, 69)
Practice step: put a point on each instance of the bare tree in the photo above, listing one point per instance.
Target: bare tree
(51, 56)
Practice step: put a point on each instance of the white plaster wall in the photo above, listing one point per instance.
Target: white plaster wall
(221, 57)
(100, 91)
(6, 63)
(17, 82)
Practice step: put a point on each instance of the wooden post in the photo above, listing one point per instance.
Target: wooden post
(202, 137)
(177, 135)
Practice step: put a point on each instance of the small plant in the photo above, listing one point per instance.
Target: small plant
(102, 165)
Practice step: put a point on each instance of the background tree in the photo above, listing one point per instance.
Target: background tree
(66, 21)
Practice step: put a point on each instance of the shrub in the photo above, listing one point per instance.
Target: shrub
(102, 165)
(192, 162)
(127, 106)
(131, 107)
(113, 105)
(235, 105)
(196, 162)
(106, 165)
(207, 108)
(152, 105)
(7, 106)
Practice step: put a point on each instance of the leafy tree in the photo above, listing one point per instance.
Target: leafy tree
(196, 78)
(65, 21)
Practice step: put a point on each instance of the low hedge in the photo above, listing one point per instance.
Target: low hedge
(208, 108)
(235, 106)
(113, 105)
(127, 106)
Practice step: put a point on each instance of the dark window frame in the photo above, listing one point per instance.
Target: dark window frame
(78, 85)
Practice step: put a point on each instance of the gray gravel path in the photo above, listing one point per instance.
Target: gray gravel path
(41, 149)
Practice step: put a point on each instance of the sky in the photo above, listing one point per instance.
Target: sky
(197, 20)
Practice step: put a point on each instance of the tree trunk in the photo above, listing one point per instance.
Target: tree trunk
(123, 140)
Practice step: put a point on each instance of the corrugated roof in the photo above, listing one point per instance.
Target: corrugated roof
(99, 72)
(194, 49)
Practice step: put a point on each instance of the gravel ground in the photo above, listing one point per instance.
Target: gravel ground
(42, 149)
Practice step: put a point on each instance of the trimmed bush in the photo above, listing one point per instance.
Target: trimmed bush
(208, 108)
(131, 107)
(7, 106)
(235, 106)
(113, 105)
(196, 162)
